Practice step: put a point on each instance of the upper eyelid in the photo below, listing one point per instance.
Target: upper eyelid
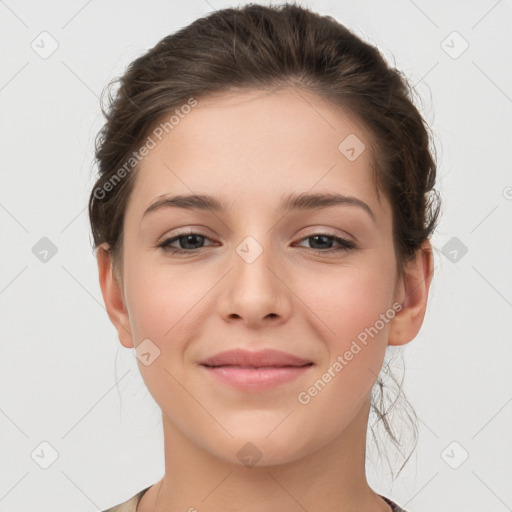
(319, 232)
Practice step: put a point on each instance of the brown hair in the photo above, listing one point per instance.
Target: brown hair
(261, 47)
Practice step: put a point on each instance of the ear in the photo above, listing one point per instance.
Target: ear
(113, 297)
(413, 295)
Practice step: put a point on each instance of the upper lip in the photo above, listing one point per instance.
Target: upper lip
(267, 357)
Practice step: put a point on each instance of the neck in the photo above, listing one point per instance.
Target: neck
(331, 478)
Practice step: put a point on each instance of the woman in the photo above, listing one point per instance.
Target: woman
(262, 218)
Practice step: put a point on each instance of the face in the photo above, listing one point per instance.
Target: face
(317, 283)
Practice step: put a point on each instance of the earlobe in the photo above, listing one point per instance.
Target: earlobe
(113, 297)
(413, 296)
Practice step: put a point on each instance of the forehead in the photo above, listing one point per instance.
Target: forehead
(253, 147)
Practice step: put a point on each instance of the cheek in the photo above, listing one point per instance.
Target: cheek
(355, 340)
(161, 298)
(351, 311)
(347, 301)
(161, 301)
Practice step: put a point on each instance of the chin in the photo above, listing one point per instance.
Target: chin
(260, 450)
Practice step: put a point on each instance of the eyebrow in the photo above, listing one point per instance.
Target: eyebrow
(291, 201)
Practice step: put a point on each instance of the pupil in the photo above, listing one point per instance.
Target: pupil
(189, 238)
(325, 239)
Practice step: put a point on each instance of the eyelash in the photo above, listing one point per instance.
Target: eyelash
(346, 245)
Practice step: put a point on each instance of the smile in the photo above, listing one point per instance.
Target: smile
(254, 378)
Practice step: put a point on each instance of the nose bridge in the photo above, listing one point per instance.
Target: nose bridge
(253, 260)
(256, 245)
(254, 290)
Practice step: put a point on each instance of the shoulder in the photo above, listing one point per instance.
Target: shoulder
(129, 505)
(393, 505)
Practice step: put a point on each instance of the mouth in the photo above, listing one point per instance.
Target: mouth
(251, 359)
(255, 367)
(255, 378)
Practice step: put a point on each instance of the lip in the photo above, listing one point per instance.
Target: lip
(246, 358)
(255, 371)
(255, 379)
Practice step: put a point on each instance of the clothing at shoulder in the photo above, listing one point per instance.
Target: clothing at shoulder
(392, 504)
(129, 505)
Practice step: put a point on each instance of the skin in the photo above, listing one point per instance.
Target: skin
(251, 148)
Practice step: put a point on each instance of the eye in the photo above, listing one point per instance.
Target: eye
(190, 237)
(321, 239)
(190, 241)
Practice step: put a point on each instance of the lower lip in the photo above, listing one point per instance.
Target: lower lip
(256, 379)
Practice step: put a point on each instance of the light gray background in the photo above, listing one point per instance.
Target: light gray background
(59, 353)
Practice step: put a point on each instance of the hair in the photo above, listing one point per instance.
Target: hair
(258, 47)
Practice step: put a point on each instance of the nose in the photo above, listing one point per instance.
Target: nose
(257, 288)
